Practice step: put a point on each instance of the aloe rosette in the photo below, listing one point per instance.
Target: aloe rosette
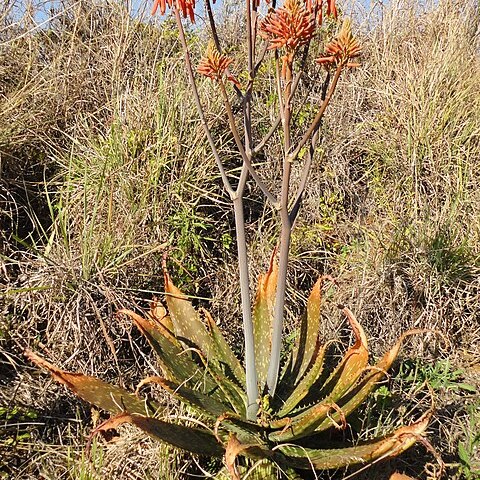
(200, 370)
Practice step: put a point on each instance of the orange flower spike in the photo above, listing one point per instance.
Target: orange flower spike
(213, 64)
(289, 26)
(343, 48)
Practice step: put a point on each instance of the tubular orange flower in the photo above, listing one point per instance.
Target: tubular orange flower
(214, 64)
(332, 9)
(289, 26)
(187, 7)
(343, 48)
(316, 7)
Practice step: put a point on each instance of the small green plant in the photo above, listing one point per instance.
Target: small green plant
(469, 449)
(439, 375)
(255, 409)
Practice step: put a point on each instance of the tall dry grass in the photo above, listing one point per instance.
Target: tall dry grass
(103, 165)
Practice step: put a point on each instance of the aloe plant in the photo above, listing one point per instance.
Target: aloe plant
(251, 408)
(200, 370)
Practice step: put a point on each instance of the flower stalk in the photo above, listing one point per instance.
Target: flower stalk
(285, 30)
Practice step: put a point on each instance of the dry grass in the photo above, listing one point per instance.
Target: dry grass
(103, 165)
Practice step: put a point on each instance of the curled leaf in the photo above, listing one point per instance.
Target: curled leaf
(389, 446)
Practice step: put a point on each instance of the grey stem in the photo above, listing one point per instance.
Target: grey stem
(251, 373)
(277, 327)
(237, 199)
(274, 367)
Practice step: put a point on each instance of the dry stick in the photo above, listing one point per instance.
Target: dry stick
(237, 199)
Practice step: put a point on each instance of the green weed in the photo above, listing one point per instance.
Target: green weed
(469, 449)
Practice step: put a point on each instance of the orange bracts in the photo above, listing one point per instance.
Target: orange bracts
(214, 64)
(342, 49)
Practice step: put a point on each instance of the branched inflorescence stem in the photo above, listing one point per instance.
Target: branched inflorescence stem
(289, 28)
(237, 199)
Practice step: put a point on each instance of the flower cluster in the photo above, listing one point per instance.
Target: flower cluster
(289, 26)
(342, 49)
(187, 7)
(214, 64)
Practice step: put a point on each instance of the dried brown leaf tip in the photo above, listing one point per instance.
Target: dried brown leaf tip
(187, 7)
(342, 49)
(214, 65)
(289, 26)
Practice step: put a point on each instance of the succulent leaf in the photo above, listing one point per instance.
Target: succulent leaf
(186, 321)
(352, 365)
(158, 314)
(204, 404)
(340, 381)
(400, 476)
(247, 431)
(223, 352)
(389, 446)
(229, 389)
(92, 390)
(195, 440)
(176, 365)
(307, 342)
(358, 394)
(303, 387)
(262, 320)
